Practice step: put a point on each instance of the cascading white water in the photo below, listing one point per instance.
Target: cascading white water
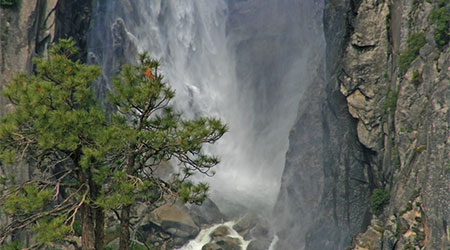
(204, 237)
(208, 57)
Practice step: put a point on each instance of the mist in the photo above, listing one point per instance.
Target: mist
(245, 62)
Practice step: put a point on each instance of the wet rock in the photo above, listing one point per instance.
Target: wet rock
(252, 226)
(220, 232)
(175, 219)
(261, 244)
(229, 243)
(245, 224)
(206, 214)
(224, 243)
(261, 230)
(212, 246)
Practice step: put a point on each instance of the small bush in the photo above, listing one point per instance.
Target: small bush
(390, 101)
(441, 18)
(378, 199)
(8, 3)
(15, 245)
(417, 77)
(414, 43)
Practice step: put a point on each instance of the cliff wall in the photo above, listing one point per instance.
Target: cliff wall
(27, 29)
(378, 150)
(327, 177)
(396, 81)
(372, 144)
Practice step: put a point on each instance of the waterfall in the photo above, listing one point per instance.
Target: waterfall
(247, 62)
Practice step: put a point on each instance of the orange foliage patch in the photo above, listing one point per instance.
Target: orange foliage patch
(149, 74)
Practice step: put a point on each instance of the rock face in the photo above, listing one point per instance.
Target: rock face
(27, 29)
(387, 129)
(326, 181)
(405, 121)
(24, 34)
(73, 19)
(175, 220)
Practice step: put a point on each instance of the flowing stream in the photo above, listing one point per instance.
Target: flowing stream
(204, 237)
(248, 62)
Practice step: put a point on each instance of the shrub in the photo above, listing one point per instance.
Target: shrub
(416, 77)
(415, 42)
(390, 101)
(14, 245)
(8, 3)
(441, 18)
(378, 199)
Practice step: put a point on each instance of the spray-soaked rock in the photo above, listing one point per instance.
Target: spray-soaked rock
(220, 232)
(224, 243)
(206, 214)
(260, 244)
(253, 226)
(175, 220)
(245, 224)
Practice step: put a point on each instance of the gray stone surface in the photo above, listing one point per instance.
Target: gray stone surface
(326, 183)
(206, 214)
(409, 136)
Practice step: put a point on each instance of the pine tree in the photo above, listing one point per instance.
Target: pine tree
(156, 133)
(84, 161)
(54, 127)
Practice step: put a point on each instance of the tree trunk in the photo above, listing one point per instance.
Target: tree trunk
(99, 228)
(87, 216)
(99, 215)
(87, 231)
(124, 242)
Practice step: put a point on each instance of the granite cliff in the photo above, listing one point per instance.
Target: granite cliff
(378, 152)
(27, 29)
(397, 87)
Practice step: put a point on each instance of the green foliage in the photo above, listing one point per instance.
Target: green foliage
(378, 199)
(441, 18)
(52, 229)
(120, 194)
(15, 245)
(81, 157)
(137, 246)
(414, 43)
(408, 246)
(54, 122)
(8, 3)
(390, 101)
(190, 192)
(416, 78)
(441, 3)
(152, 126)
(27, 200)
(54, 110)
(77, 228)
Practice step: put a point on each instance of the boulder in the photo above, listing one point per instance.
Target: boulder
(174, 219)
(252, 226)
(219, 232)
(245, 224)
(229, 243)
(206, 214)
(260, 244)
(212, 246)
